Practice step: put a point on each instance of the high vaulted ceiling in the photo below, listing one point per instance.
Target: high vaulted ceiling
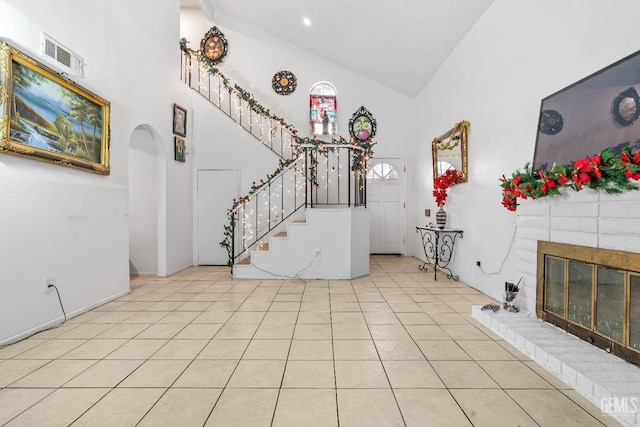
(397, 43)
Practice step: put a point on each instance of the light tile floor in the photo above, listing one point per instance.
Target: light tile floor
(393, 348)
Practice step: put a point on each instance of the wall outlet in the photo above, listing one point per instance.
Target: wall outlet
(49, 280)
(427, 212)
(478, 263)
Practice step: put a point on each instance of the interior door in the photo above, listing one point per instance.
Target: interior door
(216, 191)
(386, 201)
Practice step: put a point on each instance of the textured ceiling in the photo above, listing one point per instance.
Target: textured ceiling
(398, 43)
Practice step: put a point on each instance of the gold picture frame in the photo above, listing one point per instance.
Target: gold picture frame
(47, 117)
(449, 151)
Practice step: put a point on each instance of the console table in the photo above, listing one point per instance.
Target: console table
(438, 245)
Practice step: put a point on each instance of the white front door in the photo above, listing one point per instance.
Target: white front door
(216, 191)
(386, 189)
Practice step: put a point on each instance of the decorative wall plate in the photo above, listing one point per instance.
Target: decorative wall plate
(551, 122)
(284, 82)
(214, 45)
(626, 107)
(362, 125)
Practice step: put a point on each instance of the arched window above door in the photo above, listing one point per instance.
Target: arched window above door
(382, 171)
(323, 108)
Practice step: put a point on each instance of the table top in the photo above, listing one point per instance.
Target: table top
(440, 230)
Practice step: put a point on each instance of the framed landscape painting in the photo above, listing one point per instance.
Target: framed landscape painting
(45, 116)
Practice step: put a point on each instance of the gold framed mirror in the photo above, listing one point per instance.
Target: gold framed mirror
(450, 151)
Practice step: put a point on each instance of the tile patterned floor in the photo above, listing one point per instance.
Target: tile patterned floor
(395, 348)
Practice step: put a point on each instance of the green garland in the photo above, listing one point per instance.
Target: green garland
(358, 161)
(242, 93)
(605, 171)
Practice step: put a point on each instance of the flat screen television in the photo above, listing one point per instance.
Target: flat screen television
(600, 111)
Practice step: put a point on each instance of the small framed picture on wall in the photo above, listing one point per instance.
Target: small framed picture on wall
(179, 149)
(179, 120)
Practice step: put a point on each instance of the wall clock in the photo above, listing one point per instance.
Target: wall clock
(284, 82)
(626, 107)
(214, 45)
(362, 125)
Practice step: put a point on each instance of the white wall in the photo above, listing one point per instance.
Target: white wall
(71, 224)
(517, 54)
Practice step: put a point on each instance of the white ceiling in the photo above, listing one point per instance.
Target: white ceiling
(398, 43)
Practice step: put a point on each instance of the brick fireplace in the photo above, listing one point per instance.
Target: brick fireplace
(586, 219)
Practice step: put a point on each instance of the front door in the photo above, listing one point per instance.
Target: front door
(386, 189)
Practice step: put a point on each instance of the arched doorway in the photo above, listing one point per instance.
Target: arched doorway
(146, 213)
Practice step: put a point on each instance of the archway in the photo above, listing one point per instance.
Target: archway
(147, 187)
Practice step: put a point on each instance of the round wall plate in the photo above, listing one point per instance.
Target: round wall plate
(214, 45)
(284, 82)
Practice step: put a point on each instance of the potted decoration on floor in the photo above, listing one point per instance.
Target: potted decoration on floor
(440, 186)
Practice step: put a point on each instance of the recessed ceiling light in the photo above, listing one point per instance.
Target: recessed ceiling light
(306, 21)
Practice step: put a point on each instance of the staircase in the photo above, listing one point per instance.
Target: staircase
(271, 231)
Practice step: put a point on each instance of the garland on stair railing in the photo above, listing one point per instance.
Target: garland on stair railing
(359, 156)
(255, 187)
(358, 163)
(242, 93)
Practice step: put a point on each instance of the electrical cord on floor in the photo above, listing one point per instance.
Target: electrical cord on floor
(64, 313)
(297, 275)
(513, 238)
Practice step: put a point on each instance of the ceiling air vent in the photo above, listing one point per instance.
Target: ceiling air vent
(55, 52)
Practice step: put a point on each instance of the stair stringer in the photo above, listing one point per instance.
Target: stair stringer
(333, 243)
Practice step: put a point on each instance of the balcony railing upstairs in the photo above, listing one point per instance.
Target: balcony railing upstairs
(239, 105)
(321, 175)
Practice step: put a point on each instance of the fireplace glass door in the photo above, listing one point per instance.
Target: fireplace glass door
(634, 312)
(598, 303)
(610, 304)
(580, 296)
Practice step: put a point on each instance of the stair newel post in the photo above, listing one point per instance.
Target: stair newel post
(282, 195)
(233, 239)
(364, 177)
(269, 205)
(250, 111)
(255, 220)
(281, 142)
(349, 179)
(306, 178)
(339, 185)
(219, 93)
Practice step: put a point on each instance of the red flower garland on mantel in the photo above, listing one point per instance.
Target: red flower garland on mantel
(441, 183)
(605, 171)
